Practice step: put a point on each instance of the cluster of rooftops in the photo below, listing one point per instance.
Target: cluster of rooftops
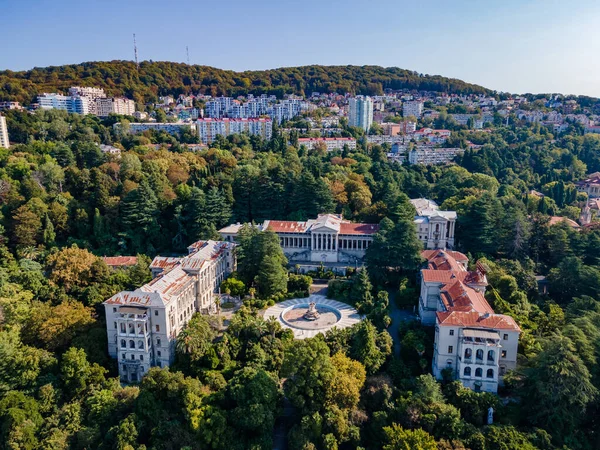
(173, 275)
(461, 293)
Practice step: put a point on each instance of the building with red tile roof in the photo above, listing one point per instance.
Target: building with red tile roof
(120, 261)
(471, 341)
(333, 240)
(143, 324)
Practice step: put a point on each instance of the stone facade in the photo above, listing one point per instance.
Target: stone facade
(143, 325)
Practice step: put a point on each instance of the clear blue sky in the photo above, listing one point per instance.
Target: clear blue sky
(508, 45)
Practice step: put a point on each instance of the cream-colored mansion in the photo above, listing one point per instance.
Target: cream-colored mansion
(142, 325)
(477, 345)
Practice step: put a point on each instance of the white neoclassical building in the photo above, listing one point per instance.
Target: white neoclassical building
(328, 239)
(333, 240)
(475, 344)
(142, 325)
(435, 228)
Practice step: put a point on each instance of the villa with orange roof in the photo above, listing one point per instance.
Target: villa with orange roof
(475, 344)
(143, 325)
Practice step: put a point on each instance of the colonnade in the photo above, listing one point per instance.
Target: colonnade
(325, 242)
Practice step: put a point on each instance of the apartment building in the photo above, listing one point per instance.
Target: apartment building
(10, 105)
(360, 112)
(117, 105)
(171, 128)
(86, 100)
(412, 108)
(329, 143)
(3, 133)
(143, 325)
(432, 156)
(208, 129)
(472, 343)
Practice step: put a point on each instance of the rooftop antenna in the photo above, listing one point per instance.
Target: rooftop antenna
(137, 64)
(187, 50)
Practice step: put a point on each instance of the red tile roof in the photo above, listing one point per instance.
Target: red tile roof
(286, 226)
(120, 261)
(358, 228)
(477, 320)
(457, 296)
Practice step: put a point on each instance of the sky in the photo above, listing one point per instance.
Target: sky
(518, 46)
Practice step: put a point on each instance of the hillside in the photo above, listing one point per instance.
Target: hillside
(160, 78)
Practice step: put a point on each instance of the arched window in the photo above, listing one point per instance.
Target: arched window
(490, 373)
(491, 355)
(131, 329)
(131, 344)
(449, 363)
(123, 343)
(468, 353)
(467, 372)
(479, 372)
(141, 345)
(479, 354)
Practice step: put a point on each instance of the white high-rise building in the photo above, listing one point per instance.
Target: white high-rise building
(3, 133)
(143, 325)
(412, 108)
(361, 112)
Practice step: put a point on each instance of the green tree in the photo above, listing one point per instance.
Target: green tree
(558, 388)
(397, 438)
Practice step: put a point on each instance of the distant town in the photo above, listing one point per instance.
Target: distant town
(405, 120)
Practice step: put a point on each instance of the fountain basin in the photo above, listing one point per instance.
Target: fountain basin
(294, 316)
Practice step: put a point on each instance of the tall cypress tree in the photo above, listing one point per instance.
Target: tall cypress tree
(139, 215)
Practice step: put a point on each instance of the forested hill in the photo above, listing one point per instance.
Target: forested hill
(160, 78)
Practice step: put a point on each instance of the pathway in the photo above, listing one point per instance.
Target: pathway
(398, 316)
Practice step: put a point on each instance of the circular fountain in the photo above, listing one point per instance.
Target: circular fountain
(316, 314)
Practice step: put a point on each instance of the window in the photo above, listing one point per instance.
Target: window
(468, 353)
(505, 337)
(479, 372)
(141, 357)
(131, 329)
(451, 332)
(123, 343)
(157, 327)
(114, 310)
(122, 328)
(131, 344)
(502, 370)
(450, 349)
(132, 357)
(479, 354)
(503, 354)
(158, 353)
(491, 355)
(141, 345)
(490, 373)
(123, 356)
(156, 312)
(115, 325)
(449, 363)
(467, 372)
(158, 342)
(159, 364)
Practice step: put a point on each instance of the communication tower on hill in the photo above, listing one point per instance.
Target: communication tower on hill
(137, 64)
